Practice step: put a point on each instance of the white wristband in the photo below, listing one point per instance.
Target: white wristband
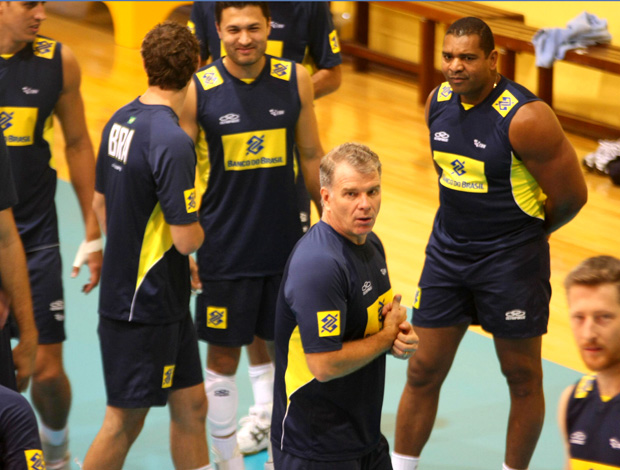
(85, 249)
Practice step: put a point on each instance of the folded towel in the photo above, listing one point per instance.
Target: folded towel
(584, 30)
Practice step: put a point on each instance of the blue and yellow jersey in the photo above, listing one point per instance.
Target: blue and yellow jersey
(488, 198)
(30, 85)
(332, 292)
(298, 30)
(249, 210)
(593, 427)
(8, 196)
(19, 434)
(145, 169)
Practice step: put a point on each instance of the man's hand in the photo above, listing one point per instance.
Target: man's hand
(406, 341)
(24, 355)
(93, 257)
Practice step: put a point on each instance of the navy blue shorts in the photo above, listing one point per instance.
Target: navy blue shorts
(143, 363)
(230, 313)
(506, 292)
(377, 459)
(45, 273)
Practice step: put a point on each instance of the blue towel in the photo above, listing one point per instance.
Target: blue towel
(584, 30)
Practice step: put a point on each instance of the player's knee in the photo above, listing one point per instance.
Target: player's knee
(221, 393)
(523, 381)
(425, 374)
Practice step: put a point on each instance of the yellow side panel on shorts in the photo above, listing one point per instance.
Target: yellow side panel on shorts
(583, 465)
(297, 372)
(166, 381)
(526, 192)
(34, 459)
(375, 314)
(210, 78)
(444, 92)
(18, 125)
(157, 240)
(253, 150)
(217, 317)
(44, 48)
(461, 173)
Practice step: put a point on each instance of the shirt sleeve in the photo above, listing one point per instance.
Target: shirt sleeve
(174, 169)
(324, 44)
(8, 194)
(316, 291)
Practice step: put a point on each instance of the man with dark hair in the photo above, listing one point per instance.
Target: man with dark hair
(303, 32)
(589, 411)
(254, 110)
(336, 319)
(508, 178)
(39, 78)
(146, 201)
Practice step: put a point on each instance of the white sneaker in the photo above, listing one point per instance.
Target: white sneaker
(56, 457)
(253, 436)
(234, 463)
(607, 151)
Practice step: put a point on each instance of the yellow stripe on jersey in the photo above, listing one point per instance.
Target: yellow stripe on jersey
(48, 135)
(156, 242)
(334, 42)
(209, 78)
(44, 47)
(444, 92)
(584, 465)
(252, 150)
(525, 190)
(505, 103)
(191, 26)
(461, 173)
(203, 165)
(297, 372)
(375, 314)
(18, 125)
(585, 386)
(34, 459)
(281, 69)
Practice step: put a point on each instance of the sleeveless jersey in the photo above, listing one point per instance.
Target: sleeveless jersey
(332, 292)
(30, 84)
(145, 169)
(297, 28)
(249, 210)
(593, 428)
(488, 199)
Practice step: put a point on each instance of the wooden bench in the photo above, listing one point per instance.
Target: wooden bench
(431, 13)
(512, 37)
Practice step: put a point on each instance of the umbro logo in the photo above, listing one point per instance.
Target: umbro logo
(275, 25)
(614, 443)
(276, 112)
(57, 306)
(515, 315)
(230, 118)
(442, 136)
(366, 288)
(30, 91)
(578, 438)
(479, 144)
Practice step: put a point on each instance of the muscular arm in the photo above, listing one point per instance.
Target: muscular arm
(14, 274)
(307, 137)
(538, 139)
(326, 81)
(79, 156)
(356, 354)
(188, 119)
(187, 238)
(562, 406)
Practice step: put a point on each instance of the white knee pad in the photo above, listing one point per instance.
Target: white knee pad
(221, 393)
